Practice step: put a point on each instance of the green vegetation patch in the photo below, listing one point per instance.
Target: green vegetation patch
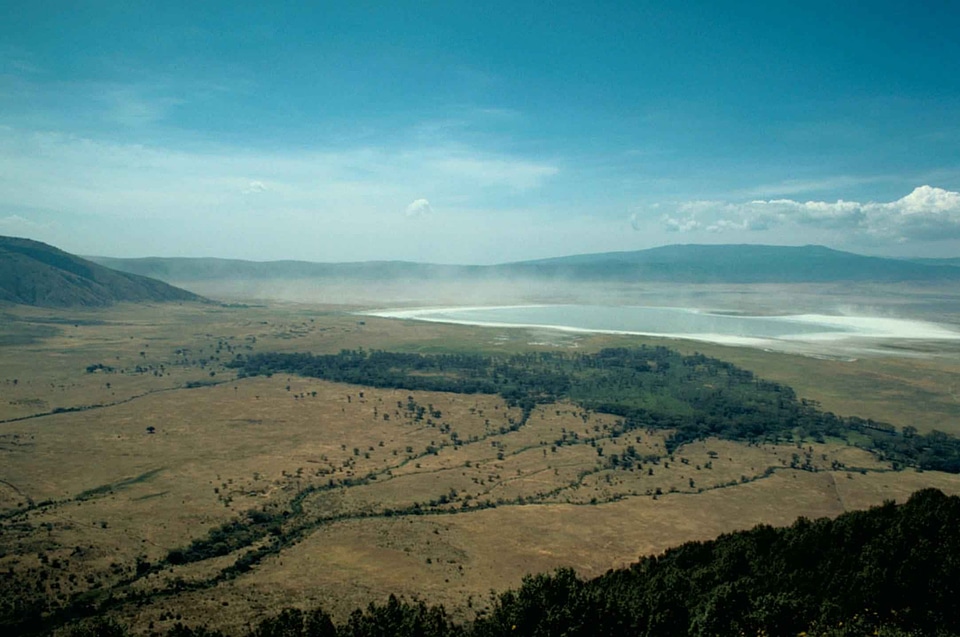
(115, 486)
(695, 396)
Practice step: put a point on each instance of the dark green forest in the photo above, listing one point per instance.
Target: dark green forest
(890, 570)
(649, 387)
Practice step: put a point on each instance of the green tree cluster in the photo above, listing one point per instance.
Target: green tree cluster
(649, 387)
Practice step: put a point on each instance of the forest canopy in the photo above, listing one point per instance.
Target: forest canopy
(694, 396)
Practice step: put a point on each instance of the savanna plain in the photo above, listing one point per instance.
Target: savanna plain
(148, 473)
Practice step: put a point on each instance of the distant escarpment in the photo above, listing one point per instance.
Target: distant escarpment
(34, 273)
(741, 264)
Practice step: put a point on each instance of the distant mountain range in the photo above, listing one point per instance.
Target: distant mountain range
(675, 263)
(184, 269)
(738, 264)
(34, 273)
(955, 261)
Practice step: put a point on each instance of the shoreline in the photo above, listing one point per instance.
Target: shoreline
(838, 330)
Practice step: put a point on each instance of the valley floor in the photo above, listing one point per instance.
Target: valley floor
(140, 474)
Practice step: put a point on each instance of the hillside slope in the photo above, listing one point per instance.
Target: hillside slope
(209, 268)
(951, 261)
(34, 273)
(891, 570)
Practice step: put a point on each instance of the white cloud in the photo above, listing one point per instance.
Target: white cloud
(927, 200)
(419, 208)
(927, 213)
(681, 224)
(254, 187)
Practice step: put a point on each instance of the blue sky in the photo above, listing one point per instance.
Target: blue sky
(478, 132)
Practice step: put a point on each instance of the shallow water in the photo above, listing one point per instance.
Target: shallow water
(714, 326)
(648, 320)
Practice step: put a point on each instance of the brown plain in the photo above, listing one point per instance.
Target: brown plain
(146, 465)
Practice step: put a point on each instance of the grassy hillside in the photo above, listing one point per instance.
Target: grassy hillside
(34, 273)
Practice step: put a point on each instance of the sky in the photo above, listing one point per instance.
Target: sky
(478, 132)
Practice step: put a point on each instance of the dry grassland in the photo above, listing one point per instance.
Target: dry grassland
(445, 506)
(919, 387)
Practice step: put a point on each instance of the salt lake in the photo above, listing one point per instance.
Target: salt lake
(777, 332)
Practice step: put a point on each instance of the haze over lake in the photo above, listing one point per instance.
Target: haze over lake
(800, 332)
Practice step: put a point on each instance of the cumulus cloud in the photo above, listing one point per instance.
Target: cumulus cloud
(927, 213)
(254, 187)
(419, 208)
(681, 224)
